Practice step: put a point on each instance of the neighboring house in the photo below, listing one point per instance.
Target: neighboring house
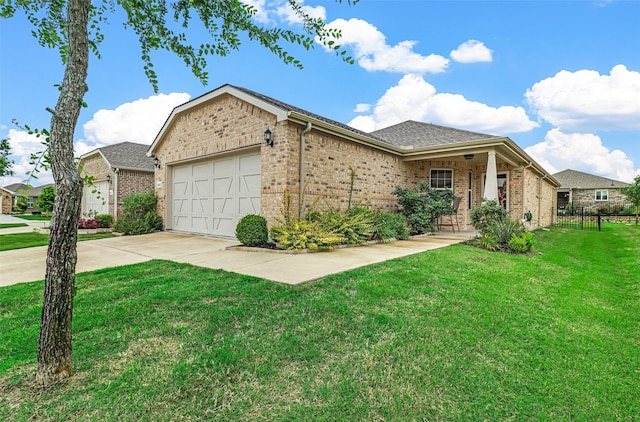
(215, 166)
(21, 190)
(118, 170)
(587, 189)
(6, 200)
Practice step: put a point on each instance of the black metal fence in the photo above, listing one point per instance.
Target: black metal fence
(591, 216)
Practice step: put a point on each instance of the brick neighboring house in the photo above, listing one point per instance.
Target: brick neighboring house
(216, 167)
(587, 189)
(119, 170)
(11, 193)
(6, 200)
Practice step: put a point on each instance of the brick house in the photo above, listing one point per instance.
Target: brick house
(6, 200)
(118, 170)
(587, 189)
(215, 166)
(11, 193)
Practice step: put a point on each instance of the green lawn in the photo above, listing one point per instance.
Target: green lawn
(452, 334)
(31, 239)
(12, 225)
(34, 217)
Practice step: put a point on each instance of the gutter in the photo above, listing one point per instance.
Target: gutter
(303, 144)
(524, 169)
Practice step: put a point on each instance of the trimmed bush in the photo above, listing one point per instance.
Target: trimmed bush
(423, 205)
(252, 230)
(88, 223)
(105, 220)
(488, 213)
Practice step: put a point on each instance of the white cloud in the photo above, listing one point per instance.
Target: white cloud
(287, 13)
(22, 146)
(583, 152)
(471, 51)
(415, 99)
(261, 13)
(371, 51)
(586, 101)
(138, 121)
(362, 108)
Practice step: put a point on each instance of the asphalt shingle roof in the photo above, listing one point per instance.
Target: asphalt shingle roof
(299, 110)
(579, 180)
(128, 155)
(418, 135)
(407, 134)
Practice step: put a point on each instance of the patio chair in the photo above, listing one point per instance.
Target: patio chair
(453, 217)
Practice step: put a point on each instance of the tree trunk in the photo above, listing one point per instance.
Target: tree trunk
(54, 344)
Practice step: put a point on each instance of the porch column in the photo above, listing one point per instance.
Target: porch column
(491, 184)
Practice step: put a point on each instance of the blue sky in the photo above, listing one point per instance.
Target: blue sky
(560, 78)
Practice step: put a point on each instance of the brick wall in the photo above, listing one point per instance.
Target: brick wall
(7, 201)
(130, 181)
(588, 196)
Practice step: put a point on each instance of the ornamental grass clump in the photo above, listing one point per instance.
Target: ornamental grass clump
(252, 230)
(498, 232)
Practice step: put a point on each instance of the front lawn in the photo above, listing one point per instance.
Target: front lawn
(12, 225)
(34, 217)
(453, 334)
(31, 239)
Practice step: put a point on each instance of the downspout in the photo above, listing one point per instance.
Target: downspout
(524, 172)
(115, 194)
(303, 144)
(540, 198)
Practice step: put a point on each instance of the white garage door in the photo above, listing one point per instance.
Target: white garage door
(210, 197)
(95, 199)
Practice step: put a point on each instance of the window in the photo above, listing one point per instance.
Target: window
(503, 189)
(441, 179)
(602, 195)
(29, 202)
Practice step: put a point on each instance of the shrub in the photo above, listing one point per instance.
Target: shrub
(139, 215)
(486, 214)
(20, 205)
(503, 230)
(304, 234)
(356, 225)
(252, 230)
(522, 242)
(390, 226)
(88, 223)
(104, 220)
(423, 205)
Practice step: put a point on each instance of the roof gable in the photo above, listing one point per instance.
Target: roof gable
(125, 155)
(579, 180)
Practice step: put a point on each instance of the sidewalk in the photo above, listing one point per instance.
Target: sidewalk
(23, 265)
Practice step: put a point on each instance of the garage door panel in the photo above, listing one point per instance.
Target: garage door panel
(211, 197)
(95, 199)
(248, 205)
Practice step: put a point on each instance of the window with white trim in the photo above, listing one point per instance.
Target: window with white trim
(29, 202)
(441, 179)
(602, 195)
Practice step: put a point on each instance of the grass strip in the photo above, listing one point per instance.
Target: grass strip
(31, 239)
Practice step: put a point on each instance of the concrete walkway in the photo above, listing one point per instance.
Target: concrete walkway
(22, 265)
(30, 225)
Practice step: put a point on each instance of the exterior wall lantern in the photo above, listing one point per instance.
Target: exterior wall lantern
(156, 162)
(267, 137)
(108, 178)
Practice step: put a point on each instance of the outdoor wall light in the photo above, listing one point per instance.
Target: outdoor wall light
(468, 156)
(267, 137)
(156, 162)
(109, 178)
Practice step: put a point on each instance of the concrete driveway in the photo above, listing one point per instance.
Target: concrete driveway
(22, 265)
